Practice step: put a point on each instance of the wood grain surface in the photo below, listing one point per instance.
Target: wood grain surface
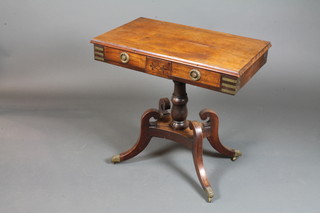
(172, 50)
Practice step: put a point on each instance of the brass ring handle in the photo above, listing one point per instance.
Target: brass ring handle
(195, 74)
(124, 57)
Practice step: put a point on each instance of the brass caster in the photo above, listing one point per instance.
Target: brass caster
(115, 159)
(210, 193)
(236, 155)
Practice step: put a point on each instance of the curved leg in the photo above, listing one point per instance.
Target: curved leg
(213, 138)
(197, 151)
(143, 140)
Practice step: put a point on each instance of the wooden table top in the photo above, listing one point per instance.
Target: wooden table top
(218, 52)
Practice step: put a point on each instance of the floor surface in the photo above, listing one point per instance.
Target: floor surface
(55, 157)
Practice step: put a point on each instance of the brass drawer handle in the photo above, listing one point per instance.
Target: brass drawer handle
(195, 74)
(124, 57)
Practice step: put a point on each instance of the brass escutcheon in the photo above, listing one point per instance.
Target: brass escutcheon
(124, 57)
(195, 74)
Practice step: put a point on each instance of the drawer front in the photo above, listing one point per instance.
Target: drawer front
(195, 75)
(120, 57)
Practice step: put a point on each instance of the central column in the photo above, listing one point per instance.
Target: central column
(179, 110)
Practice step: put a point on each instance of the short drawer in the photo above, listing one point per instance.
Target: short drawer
(124, 57)
(119, 57)
(194, 75)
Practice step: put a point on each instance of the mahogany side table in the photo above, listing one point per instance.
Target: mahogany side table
(187, 55)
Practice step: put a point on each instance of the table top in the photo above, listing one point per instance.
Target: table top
(209, 50)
